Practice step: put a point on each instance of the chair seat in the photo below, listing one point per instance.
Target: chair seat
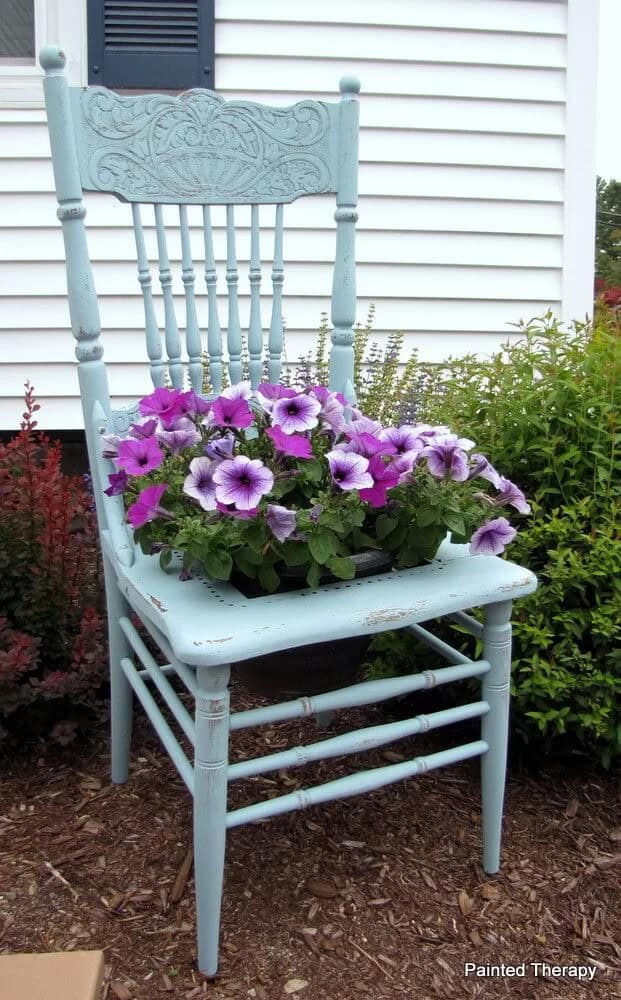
(209, 622)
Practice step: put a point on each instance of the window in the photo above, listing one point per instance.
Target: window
(17, 32)
(151, 44)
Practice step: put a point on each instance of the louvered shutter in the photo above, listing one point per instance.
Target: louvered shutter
(151, 44)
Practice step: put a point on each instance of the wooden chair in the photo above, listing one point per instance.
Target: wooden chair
(197, 149)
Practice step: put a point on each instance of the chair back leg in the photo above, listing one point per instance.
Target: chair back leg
(121, 693)
(495, 727)
(210, 787)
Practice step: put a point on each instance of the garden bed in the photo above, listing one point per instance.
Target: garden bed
(379, 896)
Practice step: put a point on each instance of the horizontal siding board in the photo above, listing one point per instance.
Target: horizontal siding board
(473, 15)
(434, 281)
(413, 79)
(122, 313)
(117, 245)
(393, 213)
(417, 44)
(422, 180)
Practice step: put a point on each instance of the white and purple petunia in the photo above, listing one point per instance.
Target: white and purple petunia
(511, 496)
(240, 390)
(482, 468)
(295, 413)
(199, 484)
(220, 447)
(269, 392)
(242, 481)
(280, 520)
(447, 459)
(492, 537)
(403, 439)
(332, 413)
(349, 470)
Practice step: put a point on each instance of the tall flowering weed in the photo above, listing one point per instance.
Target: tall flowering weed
(256, 483)
(52, 651)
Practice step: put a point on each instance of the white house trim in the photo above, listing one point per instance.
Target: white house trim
(580, 171)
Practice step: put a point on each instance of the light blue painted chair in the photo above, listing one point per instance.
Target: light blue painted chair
(197, 149)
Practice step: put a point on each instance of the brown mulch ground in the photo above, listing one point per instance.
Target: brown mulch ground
(381, 896)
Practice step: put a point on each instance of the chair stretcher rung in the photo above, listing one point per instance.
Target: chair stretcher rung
(355, 784)
(441, 647)
(159, 679)
(366, 693)
(160, 725)
(184, 673)
(470, 624)
(356, 742)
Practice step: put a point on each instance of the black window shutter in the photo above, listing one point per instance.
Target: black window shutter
(151, 44)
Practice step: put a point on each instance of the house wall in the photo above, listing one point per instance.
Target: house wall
(471, 213)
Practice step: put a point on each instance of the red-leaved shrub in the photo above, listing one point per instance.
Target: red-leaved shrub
(52, 646)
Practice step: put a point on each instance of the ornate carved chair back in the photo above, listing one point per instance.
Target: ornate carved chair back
(197, 149)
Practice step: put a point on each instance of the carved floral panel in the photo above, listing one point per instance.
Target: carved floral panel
(200, 148)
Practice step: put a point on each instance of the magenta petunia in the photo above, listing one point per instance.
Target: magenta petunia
(231, 413)
(199, 484)
(366, 444)
(117, 483)
(295, 445)
(384, 478)
(349, 470)
(144, 428)
(191, 404)
(242, 481)
(147, 506)
(280, 520)
(163, 403)
(139, 456)
(296, 413)
(492, 537)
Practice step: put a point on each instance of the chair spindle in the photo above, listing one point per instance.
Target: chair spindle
(173, 341)
(214, 333)
(152, 330)
(193, 342)
(276, 325)
(255, 329)
(234, 337)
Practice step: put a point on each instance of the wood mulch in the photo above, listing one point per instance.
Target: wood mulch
(381, 896)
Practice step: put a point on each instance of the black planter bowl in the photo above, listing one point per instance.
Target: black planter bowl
(314, 669)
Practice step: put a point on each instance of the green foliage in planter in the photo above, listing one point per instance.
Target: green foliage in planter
(546, 408)
(52, 651)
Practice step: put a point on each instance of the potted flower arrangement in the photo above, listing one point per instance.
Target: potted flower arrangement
(291, 487)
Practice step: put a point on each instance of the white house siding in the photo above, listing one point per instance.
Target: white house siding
(462, 188)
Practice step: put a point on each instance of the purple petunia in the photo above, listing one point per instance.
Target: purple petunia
(404, 439)
(231, 413)
(147, 506)
(366, 444)
(184, 435)
(295, 445)
(332, 413)
(483, 469)
(512, 496)
(384, 478)
(349, 470)
(118, 482)
(404, 465)
(492, 537)
(241, 515)
(280, 520)
(139, 456)
(447, 459)
(242, 481)
(199, 484)
(221, 447)
(296, 413)
(192, 405)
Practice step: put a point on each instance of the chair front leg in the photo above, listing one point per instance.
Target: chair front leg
(210, 787)
(495, 727)
(121, 693)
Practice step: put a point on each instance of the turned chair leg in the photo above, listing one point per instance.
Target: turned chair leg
(210, 785)
(121, 693)
(495, 727)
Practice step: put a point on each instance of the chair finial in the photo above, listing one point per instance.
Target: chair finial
(52, 58)
(349, 85)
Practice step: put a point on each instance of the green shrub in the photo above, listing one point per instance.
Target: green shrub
(546, 409)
